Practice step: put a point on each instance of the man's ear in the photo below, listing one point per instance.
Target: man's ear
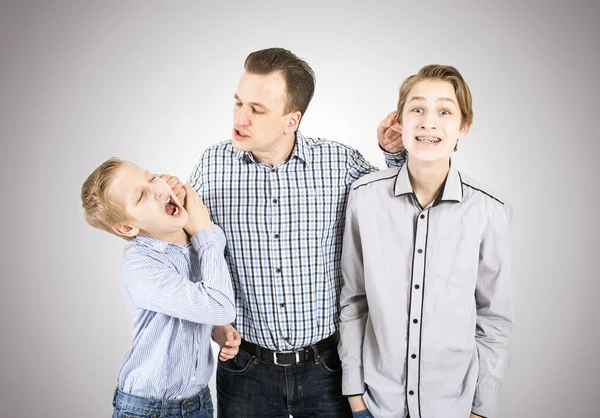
(293, 122)
(126, 230)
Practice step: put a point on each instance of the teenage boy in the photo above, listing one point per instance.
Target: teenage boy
(426, 307)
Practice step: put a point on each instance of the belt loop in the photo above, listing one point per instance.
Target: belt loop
(317, 356)
(258, 353)
(115, 397)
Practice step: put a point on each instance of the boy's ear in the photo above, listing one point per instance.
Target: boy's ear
(293, 122)
(126, 230)
(465, 129)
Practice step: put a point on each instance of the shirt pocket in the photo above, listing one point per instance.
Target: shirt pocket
(456, 261)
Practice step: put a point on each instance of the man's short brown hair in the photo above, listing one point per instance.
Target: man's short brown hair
(299, 77)
(444, 73)
(99, 207)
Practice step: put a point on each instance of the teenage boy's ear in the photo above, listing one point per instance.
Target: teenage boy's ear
(465, 129)
(126, 230)
(293, 122)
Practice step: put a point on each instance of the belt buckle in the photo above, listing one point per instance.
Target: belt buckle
(285, 352)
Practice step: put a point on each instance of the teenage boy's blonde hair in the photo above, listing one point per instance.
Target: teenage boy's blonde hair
(443, 73)
(99, 208)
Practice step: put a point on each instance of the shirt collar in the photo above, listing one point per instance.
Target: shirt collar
(301, 150)
(155, 244)
(451, 189)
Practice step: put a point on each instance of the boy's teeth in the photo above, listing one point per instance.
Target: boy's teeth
(427, 139)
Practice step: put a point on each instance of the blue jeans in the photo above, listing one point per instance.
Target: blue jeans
(251, 387)
(365, 413)
(129, 406)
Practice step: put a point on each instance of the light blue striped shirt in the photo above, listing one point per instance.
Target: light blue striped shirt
(284, 227)
(177, 294)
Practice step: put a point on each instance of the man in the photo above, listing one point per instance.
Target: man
(280, 197)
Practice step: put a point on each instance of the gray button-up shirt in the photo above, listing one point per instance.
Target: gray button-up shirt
(426, 307)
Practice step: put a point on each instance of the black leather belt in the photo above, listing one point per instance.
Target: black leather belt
(287, 358)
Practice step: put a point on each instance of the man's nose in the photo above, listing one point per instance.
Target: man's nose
(240, 116)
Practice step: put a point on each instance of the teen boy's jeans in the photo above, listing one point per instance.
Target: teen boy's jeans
(251, 387)
(128, 406)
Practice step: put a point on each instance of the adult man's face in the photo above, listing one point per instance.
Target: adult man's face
(259, 121)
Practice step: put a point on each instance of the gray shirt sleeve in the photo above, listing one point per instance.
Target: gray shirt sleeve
(493, 296)
(354, 308)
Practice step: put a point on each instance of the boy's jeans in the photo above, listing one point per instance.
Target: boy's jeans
(365, 413)
(128, 406)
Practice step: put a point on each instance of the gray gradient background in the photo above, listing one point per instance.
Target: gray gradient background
(153, 82)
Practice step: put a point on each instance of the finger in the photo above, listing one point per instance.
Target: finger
(233, 343)
(189, 194)
(174, 183)
(396, 127)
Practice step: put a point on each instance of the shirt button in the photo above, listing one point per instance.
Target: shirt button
(415, 321)
(277, 270)
(275, 200)
(417, 286)
(282, 305)
(422, 216)
(419, 251)
(413, 356)
(193, 377)
(274, 170)
(276, 236)
(410, 392)
(197, 345)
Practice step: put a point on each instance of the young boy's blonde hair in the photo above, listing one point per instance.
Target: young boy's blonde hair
(99, 207)
(443, 73)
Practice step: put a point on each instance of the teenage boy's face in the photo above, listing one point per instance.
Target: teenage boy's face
(431, 121)
(258, 113)
(150, 204)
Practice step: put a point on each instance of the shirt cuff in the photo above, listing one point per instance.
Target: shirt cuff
(204, 237)
(353, 382)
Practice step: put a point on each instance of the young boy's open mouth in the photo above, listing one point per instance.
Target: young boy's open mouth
(172, 208)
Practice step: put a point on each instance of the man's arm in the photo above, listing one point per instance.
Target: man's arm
(354, 308)
(389, 137)
(493, 297)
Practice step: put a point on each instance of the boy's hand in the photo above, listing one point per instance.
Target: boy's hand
(228, 339)
(198, 217)
(175, 185)
(389, 134)
(357, 403)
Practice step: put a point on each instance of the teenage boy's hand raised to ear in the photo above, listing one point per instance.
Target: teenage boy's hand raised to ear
(198, 217)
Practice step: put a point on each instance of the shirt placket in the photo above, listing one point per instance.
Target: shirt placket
(276, 259)
(416, 313)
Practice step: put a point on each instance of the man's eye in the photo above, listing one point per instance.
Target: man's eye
(152, 179)
(141, 195)
(258, 112)
(445, 112)
(238, 104)
(417, 110)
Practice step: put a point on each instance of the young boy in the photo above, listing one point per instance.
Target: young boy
(426, 307)
(176, 279)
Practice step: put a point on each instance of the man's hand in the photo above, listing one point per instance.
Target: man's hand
(198, 217)
(389, 134)
(227, 337)
(175, 185)
(357, 403)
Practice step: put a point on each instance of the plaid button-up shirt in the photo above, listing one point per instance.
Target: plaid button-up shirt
(284, 228)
